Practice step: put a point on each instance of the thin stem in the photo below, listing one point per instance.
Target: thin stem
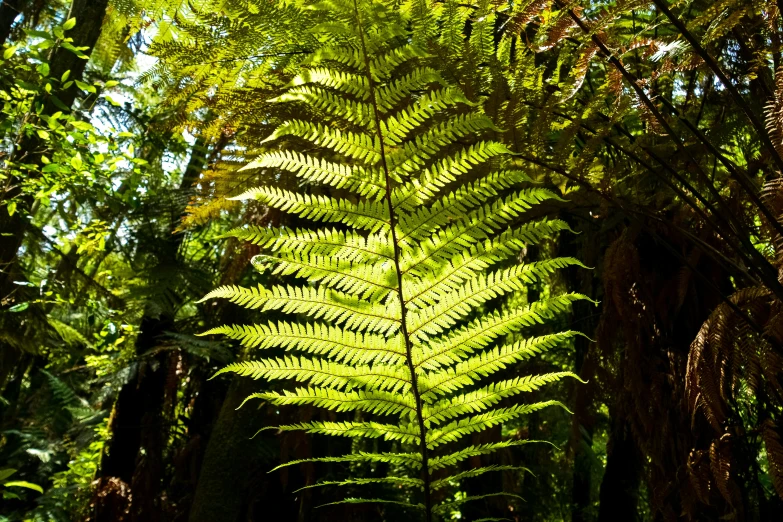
(403, 322)
(713, 64)
(769, 273)
(743, 180)
(725, 233)
(629, 212)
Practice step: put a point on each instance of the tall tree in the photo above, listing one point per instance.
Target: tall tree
(134, 454)
(89, 15)
(10, 10)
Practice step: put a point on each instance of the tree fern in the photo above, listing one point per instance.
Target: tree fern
(417, 228)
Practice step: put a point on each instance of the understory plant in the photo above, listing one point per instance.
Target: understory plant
(404, 293)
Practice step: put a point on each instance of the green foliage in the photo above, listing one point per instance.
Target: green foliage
(414, 215)
(72, 154)
(5, 483)
(73, 176)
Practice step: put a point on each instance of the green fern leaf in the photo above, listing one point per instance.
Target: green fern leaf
(390, 326)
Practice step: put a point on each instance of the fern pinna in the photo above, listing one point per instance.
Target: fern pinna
(392, 322)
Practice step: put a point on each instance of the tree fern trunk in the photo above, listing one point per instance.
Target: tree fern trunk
(582, 473)
(230, 461)
(620, 486)
(581, 492)
(134, 455)
(230, 457)
(585, 320)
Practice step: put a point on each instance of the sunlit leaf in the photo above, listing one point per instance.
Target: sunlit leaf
(76, 161)
(24, 484)
(10, 52)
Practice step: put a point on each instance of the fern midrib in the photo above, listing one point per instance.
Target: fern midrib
(403, 322)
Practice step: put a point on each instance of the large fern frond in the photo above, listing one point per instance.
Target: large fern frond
(391, 315)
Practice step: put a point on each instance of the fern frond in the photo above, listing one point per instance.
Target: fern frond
(397, 127)
(447, 170)
(367, 215)
(478, 334)
(484, 398)
(330, 103)
(404, 433)
(420, 223)
(476, 472)
(63, 394)
(427, 204)
(353, 145)
(315, 170)
(412, 460)
(324, 242)
(319, 372)
(318, 339)
(368, 282)
(399, 481)
(451, 307)
(382, 65)
(378, 402)
(353, 84)
(388, 96)
(67, 333)
(452, 459)
(413, 154)
(464, 266)
(456, 430)
(448, 506)
(318, 303)
(478, 225)
(352, 500)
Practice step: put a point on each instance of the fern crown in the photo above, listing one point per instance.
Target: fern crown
(414, 221)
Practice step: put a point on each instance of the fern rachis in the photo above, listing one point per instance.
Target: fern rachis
(384, 323)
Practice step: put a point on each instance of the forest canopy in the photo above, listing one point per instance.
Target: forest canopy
(364, 260)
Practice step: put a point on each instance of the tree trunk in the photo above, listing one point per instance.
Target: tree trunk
(584, 319)
(9, 10)
(581, 497)
(584, 410)
(620, 486)
(134, 456)
(137, 422)
(231, 460)
(89, 15)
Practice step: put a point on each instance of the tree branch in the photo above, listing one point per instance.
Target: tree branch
(713, 64)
